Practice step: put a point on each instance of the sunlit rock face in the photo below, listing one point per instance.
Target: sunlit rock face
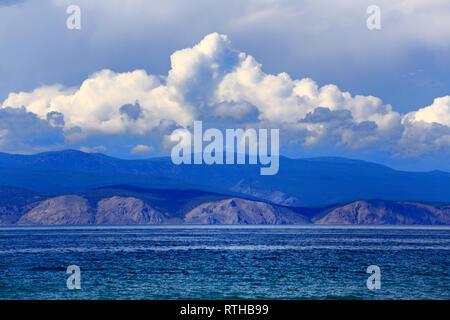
(241, 211)
(120, 210)
(68, 209)
(387, 212)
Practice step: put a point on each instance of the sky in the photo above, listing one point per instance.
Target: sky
(137, 70)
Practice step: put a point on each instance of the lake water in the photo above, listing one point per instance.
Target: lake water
(239, 262)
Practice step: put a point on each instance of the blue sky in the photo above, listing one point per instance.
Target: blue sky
(136, 70)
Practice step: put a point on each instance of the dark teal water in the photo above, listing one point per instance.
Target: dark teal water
(225, 262)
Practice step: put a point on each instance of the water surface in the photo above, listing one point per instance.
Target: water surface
(225, 262)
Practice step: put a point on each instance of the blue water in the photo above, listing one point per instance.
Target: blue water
(183, 262)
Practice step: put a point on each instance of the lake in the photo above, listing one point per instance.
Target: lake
(225, 262)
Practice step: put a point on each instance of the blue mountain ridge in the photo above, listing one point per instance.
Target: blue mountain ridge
(299, 182)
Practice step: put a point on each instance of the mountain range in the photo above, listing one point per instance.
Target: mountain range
(72, 187)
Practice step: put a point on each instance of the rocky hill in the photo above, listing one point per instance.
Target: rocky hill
(386, 212)
(70, 209)
(241, 211)
(130, 205)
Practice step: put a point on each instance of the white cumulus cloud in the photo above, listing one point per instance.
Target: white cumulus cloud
(141, 149)
(438, 112)
(215, 83)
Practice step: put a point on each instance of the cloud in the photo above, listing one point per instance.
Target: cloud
(438, 112)
(311, 38)
(427, 129)
(56, 119)
(338, 126)
(131, 111)
(215, 83)
(141, 149)
(407, 20)
(96, 149)
(10, 2)
(95, 107)
(22, 131)
(236, 112)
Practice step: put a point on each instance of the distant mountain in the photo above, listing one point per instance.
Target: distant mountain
(15, 201)
(386, 212)
(75, 170)
(241, 211)
(299, 182)
(131, 205)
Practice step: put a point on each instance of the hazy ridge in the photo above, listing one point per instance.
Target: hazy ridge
(128, 205)
(72, 187)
